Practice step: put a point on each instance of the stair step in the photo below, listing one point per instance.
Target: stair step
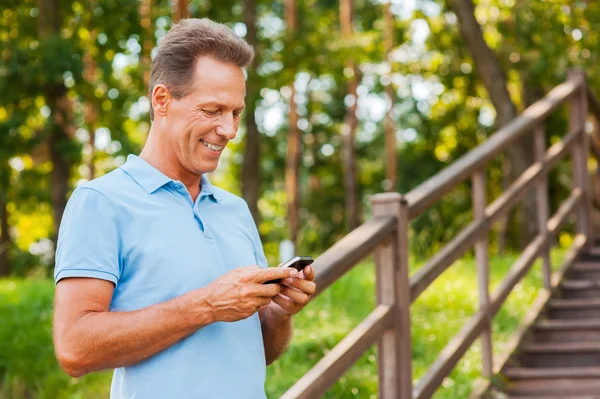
(558, 387)
(568, 325)
(585, 270)
(560, 354)
(570, 330)
(525, 373)
(580, 288)
(573, 308)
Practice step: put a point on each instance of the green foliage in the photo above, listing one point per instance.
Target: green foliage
(28, 367)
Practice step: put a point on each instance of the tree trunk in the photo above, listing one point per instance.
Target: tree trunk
(180, 10)
(294, 149)
(493, 77)
(146, 23)
(350, 124)
(251, 166)
(91, 109)
(62, 116)
(390, 134)
(5, 239)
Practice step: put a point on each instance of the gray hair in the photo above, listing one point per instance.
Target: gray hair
(188, 40)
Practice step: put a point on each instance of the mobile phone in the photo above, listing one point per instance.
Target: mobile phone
(297, 262)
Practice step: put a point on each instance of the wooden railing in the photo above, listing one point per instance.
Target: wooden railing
(386, 235)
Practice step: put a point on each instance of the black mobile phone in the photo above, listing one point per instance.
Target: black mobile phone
(297, 262)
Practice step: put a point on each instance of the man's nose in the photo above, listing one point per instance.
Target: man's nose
(227, 127)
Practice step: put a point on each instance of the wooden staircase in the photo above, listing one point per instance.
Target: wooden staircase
(560, 355)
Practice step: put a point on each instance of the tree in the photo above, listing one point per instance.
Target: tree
(350, 121)
(61, 127)
(390, 132)
(292, 165)
(180, 10)
(250, 173)
(494, 79)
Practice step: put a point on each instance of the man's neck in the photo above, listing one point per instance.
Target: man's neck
(169, 165)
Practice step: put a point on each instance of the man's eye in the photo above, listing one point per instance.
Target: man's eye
(210, 113)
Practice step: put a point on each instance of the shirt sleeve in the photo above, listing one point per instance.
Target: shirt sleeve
(88, 238)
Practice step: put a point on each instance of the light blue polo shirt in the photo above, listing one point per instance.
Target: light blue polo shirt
(139, 229)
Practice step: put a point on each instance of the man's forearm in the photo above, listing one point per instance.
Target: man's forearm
(277, 332)
(103, 340)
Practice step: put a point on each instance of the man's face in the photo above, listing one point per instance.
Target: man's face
(199, 125)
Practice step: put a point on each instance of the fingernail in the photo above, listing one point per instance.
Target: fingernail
(293, 272)
(288, 281)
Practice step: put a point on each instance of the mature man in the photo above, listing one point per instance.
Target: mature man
(160, 274)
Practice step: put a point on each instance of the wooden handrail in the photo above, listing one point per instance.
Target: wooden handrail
(465, 239)
(461, 342)
(386, 234)
(333, 365)
(431, 190)
(350, 250)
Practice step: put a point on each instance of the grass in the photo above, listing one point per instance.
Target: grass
(28, 368)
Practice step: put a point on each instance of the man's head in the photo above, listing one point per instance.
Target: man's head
(197, 90)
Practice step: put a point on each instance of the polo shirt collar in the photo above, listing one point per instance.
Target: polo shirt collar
(209, 189)
(146, 175)
(151, 179)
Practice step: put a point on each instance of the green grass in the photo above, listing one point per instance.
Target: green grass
(28, 368)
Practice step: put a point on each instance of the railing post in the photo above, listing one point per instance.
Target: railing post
(483, 271)
(391, 262)
(577, 117)
(541, 196)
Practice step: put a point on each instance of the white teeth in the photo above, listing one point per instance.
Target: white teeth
(211, 146)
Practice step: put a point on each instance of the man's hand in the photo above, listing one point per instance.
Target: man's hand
(241, 292)
(295, 293)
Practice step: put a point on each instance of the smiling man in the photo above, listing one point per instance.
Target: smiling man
(159, 275)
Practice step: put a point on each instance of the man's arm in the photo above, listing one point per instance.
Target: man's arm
(276, 319)
(88, 337)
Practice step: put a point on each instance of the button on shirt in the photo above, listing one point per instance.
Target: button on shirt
(141, 230)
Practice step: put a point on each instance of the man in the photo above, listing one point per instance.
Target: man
(159, 274)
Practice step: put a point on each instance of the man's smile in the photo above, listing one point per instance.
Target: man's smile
(214, 147)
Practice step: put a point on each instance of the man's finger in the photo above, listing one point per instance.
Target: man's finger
(274, 273)
(309, 273)
(297, 296)
(308, 287)
(268, 290)
(286, 303)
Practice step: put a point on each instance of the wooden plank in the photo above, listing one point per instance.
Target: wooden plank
(449, 356)
(350, 250)
(525, 373)
(578, 109)
(391, 264)
(556, 222)
(541, 197)
(516, 272)
(335, 363)
(483, 271)
(432, 189)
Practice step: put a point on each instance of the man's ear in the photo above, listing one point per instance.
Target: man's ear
(161, 98)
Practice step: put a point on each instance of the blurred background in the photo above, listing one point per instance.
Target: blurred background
(346, 99)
